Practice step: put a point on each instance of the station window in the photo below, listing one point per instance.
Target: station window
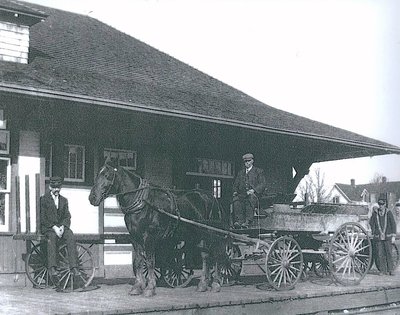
(124, 158)
(74, 163)
(217, 188)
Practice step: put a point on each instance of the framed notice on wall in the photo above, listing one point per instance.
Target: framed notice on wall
(4, 142)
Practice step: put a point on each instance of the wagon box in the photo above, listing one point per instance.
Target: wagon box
(314, 218)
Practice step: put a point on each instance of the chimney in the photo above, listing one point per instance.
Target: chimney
(353, 183)
(384, 179)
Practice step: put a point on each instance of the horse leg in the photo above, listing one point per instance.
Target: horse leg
(137, 264)
(150, 289)
(202, 286)
(216, 282)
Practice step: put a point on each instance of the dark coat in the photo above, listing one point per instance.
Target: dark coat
(50, 215)
(254, 179)
(390, 225)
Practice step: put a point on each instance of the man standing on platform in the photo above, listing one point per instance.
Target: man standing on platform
(383, 228)
(249, 183)
(55, 221)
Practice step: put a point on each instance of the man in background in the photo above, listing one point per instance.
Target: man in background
(383, 228)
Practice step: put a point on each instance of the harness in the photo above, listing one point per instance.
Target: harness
(141, 199)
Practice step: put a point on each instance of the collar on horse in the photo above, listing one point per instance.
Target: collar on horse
(139, 201)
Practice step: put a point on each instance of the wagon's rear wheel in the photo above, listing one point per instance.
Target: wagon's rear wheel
(175, 272)
(36, 267)
(350, 254)
(284, 263)
(67, 280)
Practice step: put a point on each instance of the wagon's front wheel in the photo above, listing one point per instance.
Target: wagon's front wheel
(230, 265)
(350, 254)
(284, 263)
(321, 266)
(176, 273)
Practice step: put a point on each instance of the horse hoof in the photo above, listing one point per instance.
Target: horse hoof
(201, 288)
(135, 291)
(149, 293)
(215, 287)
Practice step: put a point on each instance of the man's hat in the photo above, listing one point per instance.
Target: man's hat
(248, 157)
(56, 181)
(382, 197)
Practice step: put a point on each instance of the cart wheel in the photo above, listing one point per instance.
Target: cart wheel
(231, 265)
(157, 271)
(321, 266)
(67, 280)
(350, 253)
(175, 273)
(284, 263)
(36, 267)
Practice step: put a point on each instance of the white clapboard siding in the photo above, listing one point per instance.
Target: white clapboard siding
(115, 254)
(14, 42)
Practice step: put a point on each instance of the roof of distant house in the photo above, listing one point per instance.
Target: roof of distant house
(354, 192)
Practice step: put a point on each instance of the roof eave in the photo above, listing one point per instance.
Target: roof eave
(31, 91)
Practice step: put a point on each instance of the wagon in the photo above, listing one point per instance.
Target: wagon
(330, 239)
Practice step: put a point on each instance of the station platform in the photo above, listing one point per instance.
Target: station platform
(251, 295)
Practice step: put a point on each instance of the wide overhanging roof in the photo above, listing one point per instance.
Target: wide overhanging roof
(80, 59)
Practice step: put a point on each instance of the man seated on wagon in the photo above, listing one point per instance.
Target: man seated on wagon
(55, 221)
(249, 183)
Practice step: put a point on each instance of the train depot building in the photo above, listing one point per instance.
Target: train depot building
(74, 91)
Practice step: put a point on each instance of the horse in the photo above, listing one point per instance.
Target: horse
(151, 215)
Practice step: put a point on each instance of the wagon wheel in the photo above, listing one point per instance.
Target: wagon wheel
(231, 265)
(36, 267)
(284, 263)
(321, 266)
(350, 254)
(176, 273)
(67, 280)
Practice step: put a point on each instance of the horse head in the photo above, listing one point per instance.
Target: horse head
(103, 184)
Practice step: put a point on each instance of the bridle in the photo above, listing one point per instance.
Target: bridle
(141, 193)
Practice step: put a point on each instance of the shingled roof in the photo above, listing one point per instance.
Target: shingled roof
(353, 192)
(78, 57)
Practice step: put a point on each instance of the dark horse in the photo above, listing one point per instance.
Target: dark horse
(152, 218)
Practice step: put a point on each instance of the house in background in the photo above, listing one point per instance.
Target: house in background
(366, 193)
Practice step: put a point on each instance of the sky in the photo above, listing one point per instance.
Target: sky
(334, 61)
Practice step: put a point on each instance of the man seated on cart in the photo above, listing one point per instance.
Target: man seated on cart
(249, 183)
(55, 221)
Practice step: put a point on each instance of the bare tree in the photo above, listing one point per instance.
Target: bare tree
(378, 178)
(313, 188)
